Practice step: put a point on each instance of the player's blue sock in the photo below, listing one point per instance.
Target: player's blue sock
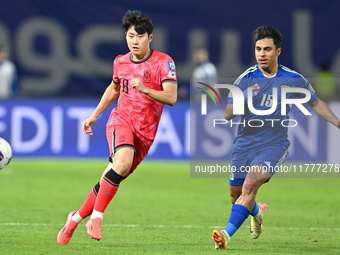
(239, 214)
(255, 209)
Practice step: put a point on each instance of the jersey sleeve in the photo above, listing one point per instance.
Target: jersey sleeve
(115, 77)
(304, 83)
(168, 70)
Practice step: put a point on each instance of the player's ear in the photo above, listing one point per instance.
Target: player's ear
(279, 51)
(150, 37)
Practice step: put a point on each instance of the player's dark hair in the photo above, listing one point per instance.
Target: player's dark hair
(268, 32)
(141, 22)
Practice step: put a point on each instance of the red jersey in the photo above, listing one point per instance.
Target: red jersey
(136, 109)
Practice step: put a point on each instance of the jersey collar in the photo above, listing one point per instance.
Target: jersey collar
(278, 70)
(142, 60)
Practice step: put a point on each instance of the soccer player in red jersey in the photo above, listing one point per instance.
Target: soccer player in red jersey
(145, 80)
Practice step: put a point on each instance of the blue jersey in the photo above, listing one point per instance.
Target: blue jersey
(256, 131)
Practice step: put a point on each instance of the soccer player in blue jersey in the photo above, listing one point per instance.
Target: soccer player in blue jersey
(258, 150)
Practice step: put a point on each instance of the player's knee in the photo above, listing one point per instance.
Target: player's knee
(235, 192)
(122, 166)
(251, 186)
(233, 198)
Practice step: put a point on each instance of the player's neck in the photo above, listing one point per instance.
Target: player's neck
(270, 72)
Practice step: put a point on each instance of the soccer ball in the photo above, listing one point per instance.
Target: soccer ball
(5, 153)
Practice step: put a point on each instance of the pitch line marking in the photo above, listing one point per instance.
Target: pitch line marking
(167, 226)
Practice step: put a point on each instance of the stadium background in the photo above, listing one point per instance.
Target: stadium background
(64, 51)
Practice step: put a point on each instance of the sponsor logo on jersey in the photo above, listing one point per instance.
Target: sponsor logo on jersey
(171, 65)
(147, 75)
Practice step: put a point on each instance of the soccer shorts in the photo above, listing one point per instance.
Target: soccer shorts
(120, 136)
(270, 157)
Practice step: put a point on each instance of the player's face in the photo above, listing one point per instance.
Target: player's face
(267, 55)
(139, 44)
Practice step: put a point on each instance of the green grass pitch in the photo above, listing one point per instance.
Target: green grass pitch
(160, 210)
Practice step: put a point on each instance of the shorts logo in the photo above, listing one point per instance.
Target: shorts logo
(171, 66)
(267, 163)
(147, 75)
(122, 138)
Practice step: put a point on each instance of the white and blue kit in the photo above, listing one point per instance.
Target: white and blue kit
(263, 139)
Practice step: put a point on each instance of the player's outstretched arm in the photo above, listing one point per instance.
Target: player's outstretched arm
(110, 95)
(167, 96)
(323, 110)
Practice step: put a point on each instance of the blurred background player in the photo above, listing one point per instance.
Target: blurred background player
(205, 71)
(145, 80)
(8, 76)
(260, 148)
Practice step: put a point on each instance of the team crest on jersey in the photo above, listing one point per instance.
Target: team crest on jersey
(147, 75)
(171, 65)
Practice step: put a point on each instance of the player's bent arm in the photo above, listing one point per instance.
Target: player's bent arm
(167, 96)
(323, 110)
(228, 113)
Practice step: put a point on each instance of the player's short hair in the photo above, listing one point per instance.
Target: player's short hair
(268, 32)
(141, 22)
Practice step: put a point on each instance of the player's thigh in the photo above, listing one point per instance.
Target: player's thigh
(121, 141)
(258, 172)
(122, 160)
(269, 158)
(141, 150)
(256, 176)
(119, 137)
(264, 165)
